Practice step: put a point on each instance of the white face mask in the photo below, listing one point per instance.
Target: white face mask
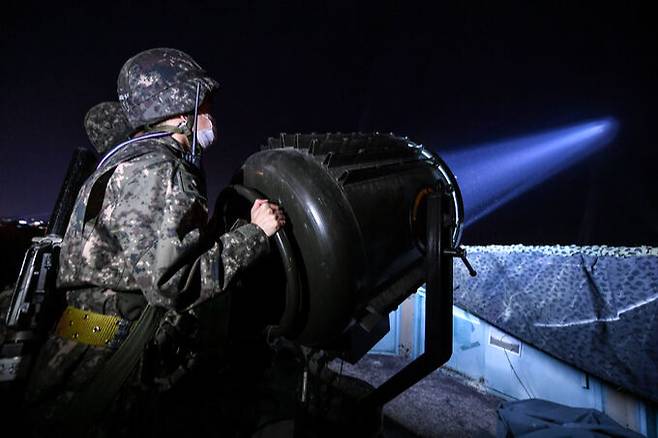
(206, 137)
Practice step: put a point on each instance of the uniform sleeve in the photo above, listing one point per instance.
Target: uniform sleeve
(159, 219)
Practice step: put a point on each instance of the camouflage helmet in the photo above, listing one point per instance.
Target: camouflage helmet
(106, 126)
(157, 84)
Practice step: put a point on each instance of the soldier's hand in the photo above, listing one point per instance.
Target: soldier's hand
(268, 216)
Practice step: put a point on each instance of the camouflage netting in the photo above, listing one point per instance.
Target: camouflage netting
(593, 307)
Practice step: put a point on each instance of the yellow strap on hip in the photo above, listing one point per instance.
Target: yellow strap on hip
(89, 327)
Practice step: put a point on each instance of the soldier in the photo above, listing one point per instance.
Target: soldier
(139, 256)
(106, 126)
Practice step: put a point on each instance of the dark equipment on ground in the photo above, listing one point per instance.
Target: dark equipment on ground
(370, 217)
(535, 417)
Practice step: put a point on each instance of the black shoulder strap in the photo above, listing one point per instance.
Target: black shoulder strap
(97, 195)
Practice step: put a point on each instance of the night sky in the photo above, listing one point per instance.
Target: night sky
(445, 76)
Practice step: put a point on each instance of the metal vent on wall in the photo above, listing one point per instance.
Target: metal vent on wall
(499, 342)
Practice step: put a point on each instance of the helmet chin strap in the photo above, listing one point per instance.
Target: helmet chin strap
(181, 128)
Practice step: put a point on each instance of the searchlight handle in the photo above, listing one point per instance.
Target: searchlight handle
(460, 252)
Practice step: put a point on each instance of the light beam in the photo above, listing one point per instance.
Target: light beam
(492, 174)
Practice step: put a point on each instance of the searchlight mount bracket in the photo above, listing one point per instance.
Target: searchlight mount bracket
(438, 300)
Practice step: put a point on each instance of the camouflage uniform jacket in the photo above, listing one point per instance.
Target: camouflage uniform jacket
(139, 228)
(148, 233)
